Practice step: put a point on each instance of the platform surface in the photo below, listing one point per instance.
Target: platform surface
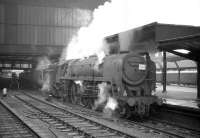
(179, 95)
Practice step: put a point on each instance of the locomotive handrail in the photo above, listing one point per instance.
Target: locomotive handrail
(84, 78)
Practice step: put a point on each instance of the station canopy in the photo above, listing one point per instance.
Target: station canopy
(187, 46)
(181, 40)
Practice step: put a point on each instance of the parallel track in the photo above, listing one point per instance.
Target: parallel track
(187, 119)
(166, 128)
(12, 127)
(161, 128)
(73, 124)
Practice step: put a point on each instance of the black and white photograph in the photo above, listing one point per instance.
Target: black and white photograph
(99, 68)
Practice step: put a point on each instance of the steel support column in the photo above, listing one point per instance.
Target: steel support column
(179, 73)
(198, 80)
(164, 72)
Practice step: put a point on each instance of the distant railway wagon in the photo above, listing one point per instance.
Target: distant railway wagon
(186, 77)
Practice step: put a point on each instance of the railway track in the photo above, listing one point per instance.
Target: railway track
(72, 124)
(182, 117)
(159, 128)
(167, 128)
(12, 127)
(176, 121)
(177, 128)
(152, 124)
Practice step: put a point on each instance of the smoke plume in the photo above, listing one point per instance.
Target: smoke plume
(46, 83)
(120, 15)
(102, 95)
(43, 63)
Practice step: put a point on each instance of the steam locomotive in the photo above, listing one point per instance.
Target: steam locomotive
(129, 78)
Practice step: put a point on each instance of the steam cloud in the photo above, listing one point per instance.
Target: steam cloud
(120, 15)
(111, 103)
(43, 63)
(104, 97)
(46, 83)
